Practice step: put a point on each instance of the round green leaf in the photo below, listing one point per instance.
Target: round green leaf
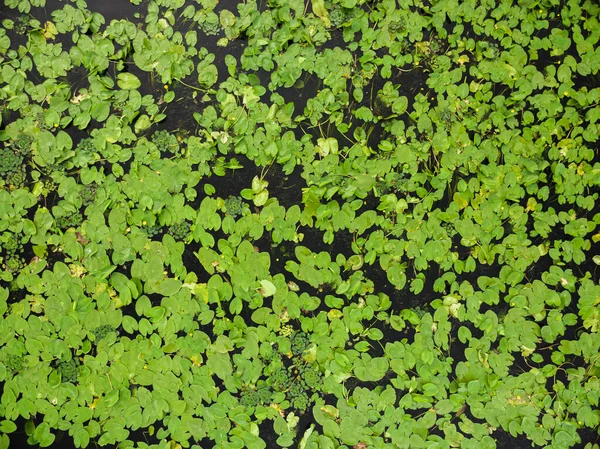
(127, 81)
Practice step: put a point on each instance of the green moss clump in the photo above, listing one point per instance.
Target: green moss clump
(311, 377)
(152, 230)
(180, 231)
(301, 402)
(86, 146)
(22, 24)
(22, 144)
(88, 194)
(69, 221)
(400, 183)
(300, 343)
(14, 363)
(85, 153)
(286, 330)
(281, 379)
(450, 229)
(397, 26)
(338, 16)
(68, 370)
(13, 264)
(298, 396)
(9, 161)
(12, 247)
(102, 331)
(260, 396)
(17, 178)
(165, 142)
(235, 206)
(12, 162)
(211, 26)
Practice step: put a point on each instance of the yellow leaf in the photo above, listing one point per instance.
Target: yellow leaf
(50, 30)
(318, 7)
(334, 314)
(463, 59)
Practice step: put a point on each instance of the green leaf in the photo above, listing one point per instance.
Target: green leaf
(220, 364)
(261, 199)
(306, 436)
(464, 334)
(153, 269)
(142, 305)
(430, 389)
(236, 305)
(285, 440)
(128, 81)
(42, 435)
(169, 96)
(169, 287)
(81, 438)
(7, 426)
(142, 123)
(395, 274)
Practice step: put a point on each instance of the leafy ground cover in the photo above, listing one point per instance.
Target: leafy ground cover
(310, 224)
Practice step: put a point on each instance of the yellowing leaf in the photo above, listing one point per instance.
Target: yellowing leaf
(463, 59)
(267, 288)
(318, 7)
(50, 30)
